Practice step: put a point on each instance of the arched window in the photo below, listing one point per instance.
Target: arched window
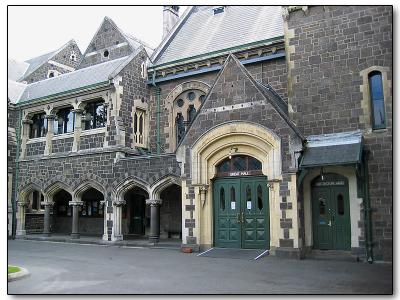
(38, 127)
(138, 127)
(186, 106)
(239, 165)
(378, 114)
(64, 121)
(94, 115)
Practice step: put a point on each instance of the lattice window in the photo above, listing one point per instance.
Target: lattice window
(186, 106)
(139, 127)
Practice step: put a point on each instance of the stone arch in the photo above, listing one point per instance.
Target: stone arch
(86, 185)
(245, 138)
(26, 189)
(54, 187)
(215, 145)
(169, 105)
(163, 183)
(126, 185)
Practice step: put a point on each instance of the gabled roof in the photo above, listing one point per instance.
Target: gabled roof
(37, 62)
(15, 69)
(76, 80)
(200, 32)
(134, 43)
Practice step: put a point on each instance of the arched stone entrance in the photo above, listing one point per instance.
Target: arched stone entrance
(213, 147)
(135, 215)
(61, 221)
(171, 212)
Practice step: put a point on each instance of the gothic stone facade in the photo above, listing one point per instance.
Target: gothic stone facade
(261, 102)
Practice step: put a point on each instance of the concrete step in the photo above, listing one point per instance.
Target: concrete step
(339, 255)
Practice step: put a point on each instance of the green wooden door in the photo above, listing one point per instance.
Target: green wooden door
(227, 208)
(241, 210)
(331, 213)
(137, 216)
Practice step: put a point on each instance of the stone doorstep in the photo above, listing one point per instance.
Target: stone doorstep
(142, 244)
(18, 275)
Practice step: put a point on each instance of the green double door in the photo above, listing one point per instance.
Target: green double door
(241, 212)
(331, 214)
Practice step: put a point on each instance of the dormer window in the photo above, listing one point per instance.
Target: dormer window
(219, 10)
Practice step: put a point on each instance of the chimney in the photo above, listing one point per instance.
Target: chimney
(170, 17)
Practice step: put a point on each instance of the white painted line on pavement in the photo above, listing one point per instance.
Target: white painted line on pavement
(262, 254)
(204, 252)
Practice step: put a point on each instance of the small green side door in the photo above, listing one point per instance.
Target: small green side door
(331, 214)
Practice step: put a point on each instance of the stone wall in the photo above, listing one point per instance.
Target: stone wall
(62, 145)
(92, 141)
(63, 57)
(329, 48)
(271, 71)
(34, 149)
(34, 223)
(106, 38)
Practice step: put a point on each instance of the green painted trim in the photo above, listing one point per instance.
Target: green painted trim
(68, 92)
(274, 39)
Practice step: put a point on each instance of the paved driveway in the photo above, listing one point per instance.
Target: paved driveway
(59, 268)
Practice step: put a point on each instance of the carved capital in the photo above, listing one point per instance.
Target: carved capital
(119, 202)
(50, 117)
(78, 110)
(77, 203)
(153, 202)
(47, 203)
(22, 204)
(27, 121)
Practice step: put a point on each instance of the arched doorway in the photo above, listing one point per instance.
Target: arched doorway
(171, 212)
(331, 212)
(62, 213)
(135, 214)
(91, 220)
(241, 204)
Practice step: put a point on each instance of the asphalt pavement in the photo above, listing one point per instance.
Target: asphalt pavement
(64, 268)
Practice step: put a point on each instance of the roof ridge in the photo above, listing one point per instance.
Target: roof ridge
(164, 42)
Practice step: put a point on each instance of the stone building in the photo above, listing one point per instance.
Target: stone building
(247, 127)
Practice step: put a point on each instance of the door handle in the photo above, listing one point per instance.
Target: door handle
(238, 217)
(330, 223)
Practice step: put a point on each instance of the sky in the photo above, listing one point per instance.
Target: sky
(36, 30)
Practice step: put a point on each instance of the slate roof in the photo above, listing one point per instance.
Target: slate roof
(36, 62)
(333, 149)
(74, 80)
(15, 69)
(201, 32)
(15, 90)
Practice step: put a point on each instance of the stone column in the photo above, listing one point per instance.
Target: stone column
(77, 130)
(75, 218)
(21, 218)
(118, 219)
(155, 204)
(46, 225)
(49, 134)
(26, 124)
